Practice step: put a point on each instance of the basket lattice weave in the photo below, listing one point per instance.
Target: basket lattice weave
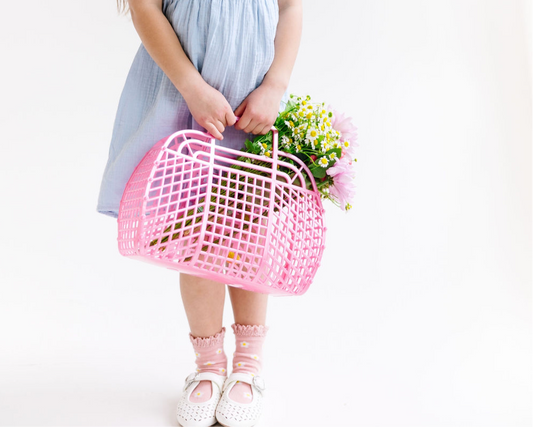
(186, 208)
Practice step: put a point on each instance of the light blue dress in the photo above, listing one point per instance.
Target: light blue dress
(231, 44)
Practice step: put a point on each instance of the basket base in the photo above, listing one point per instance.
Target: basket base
(218, 277)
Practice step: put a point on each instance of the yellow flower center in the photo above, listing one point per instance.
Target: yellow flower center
(232, 256)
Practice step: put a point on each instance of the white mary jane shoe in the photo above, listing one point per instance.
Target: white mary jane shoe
(193, 414)
(233, 414)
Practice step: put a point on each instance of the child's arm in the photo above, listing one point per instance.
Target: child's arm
(260, 109)
(207, 105)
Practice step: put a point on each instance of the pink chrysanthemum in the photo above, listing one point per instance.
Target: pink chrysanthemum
(348, 150)
(343, 188)
(344, 125)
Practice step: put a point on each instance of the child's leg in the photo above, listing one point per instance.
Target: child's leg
(204, 305)
(249, 310)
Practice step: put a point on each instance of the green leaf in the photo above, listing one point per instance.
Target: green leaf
(302, 157)
(318, 171)
(268, 137)
(249, 145)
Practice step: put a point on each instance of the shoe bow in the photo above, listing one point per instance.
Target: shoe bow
(259, 382)
(192, 377)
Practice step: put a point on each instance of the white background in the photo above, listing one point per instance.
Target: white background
(421, 312)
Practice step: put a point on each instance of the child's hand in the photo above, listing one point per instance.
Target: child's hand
(259, 110)
(211, 110)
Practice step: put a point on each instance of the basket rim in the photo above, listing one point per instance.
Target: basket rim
(274, 160)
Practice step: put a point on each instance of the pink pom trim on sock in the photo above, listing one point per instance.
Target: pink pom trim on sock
(216, 339)
(250, 330)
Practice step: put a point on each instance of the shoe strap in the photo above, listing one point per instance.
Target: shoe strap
(201, 376)
(254, 380)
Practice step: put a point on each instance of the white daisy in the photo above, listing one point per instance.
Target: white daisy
(209, 363)
(240, 364)
(312, 134)
(247, 395)
(290, 123)
(323, 161)
(219, 351)
(197, 354)
(222, 370)
(254, 356)
(198, 394)
(244, 344)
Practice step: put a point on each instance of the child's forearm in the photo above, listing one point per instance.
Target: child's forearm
(287, 42)
(163, 45)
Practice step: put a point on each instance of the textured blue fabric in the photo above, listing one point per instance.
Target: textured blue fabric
(231, 44)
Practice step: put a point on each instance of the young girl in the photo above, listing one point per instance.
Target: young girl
(202, 63)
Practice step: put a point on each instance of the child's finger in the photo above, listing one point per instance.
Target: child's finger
(211, 128)
(230, 118)
(240, 108)
(258, 128)
(219, 125)
(265, 130)
(243, 123)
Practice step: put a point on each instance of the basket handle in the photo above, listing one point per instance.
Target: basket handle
(274, 139)
(275, 152)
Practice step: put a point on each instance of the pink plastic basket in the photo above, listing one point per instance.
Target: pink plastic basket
(186, 208)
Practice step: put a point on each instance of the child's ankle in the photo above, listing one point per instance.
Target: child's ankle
(247, 358)
(210, 357)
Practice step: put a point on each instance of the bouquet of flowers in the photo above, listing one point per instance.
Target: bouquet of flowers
(324, 139)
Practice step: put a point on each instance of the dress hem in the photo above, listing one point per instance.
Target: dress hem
(108, 211)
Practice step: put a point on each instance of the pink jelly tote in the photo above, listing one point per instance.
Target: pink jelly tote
(191, 206)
